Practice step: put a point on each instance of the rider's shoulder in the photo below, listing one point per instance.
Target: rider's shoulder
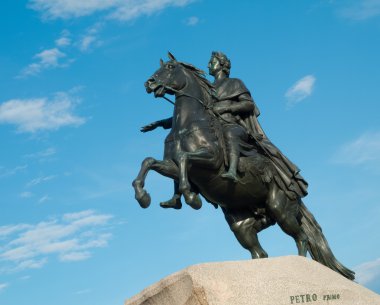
(237, 83)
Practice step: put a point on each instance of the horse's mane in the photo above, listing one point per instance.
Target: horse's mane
(207, 88)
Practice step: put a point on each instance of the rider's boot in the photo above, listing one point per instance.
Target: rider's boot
(174, 202)
(231, 174)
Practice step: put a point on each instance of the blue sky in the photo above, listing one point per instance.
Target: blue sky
(72, 101)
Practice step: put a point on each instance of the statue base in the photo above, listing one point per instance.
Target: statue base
(281, 281)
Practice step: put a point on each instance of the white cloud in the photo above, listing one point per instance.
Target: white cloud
(192, 21)
(36, 114)
(10, 172)
(74, 256)
(362, 10)
(44, 199)
(25, 277)
(86, 42)
(39, 180)
(116, 9)
(91, 39)
(43, 154)
(63, 42)
(365, 149)
(84, 291)
(10, 229)
(46, 59)
(71, 237)
(300, 90)
(3, 286)
(29, 264)
(368, 272)
(26, 195)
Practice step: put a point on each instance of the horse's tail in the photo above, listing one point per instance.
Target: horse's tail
(318, 246)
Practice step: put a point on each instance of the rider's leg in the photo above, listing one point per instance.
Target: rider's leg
(285, 212)
(233, 158)
(233, 134)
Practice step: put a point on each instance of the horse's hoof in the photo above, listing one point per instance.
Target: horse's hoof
(174, 203)
(193, 200)
(144, 200)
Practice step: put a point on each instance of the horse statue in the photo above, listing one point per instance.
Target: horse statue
(194, 158)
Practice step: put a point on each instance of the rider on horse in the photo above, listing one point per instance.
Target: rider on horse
(239, 114)
(242, 132)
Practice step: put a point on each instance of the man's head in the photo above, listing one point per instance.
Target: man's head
(219, 61)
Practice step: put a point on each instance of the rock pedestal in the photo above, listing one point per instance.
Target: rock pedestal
(273, 281)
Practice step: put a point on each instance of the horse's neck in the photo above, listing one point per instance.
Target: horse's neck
(190, 106)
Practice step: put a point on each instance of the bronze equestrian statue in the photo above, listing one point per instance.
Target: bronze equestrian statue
(217, 148)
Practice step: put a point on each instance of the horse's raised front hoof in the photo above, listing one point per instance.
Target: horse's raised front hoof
(193, 200)
(143, 199)
(174, 203)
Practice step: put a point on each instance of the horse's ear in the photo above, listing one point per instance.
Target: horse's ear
(161, 62)
(171, 56)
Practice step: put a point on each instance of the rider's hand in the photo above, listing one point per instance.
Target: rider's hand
(150, 126)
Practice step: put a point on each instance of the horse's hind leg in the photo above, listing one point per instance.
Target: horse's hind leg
(286, 213)
(175, 201)
(245, 229)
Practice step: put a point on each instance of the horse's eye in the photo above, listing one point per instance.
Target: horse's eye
(170, 66)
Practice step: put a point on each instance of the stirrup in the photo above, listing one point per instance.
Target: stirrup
(230, 176)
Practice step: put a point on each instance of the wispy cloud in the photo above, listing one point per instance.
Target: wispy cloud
(64, 40)
(11, 229)
(368, 272)
(72, 237)
(123, 10)
(91, 38)
(364, 149)
(10, 172)
(26, 195)
(84, 291)
(47, 59)
(37, 114)
(43, 154)
(300, 90)
(3, 286)
(192, 21)
(44, 199)
(361, 10)
(25, 277)
(39, 180)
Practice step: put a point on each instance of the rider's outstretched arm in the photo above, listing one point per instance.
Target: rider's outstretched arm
(165, 124)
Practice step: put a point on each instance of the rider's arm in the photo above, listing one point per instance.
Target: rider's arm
(244, 104)
(165, 123)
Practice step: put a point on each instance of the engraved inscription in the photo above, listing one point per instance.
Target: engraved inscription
(303, 298)
(312, 297)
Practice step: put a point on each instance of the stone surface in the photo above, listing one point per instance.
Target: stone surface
(273, 281)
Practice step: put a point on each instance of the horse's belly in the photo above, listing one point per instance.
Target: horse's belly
(226, 193)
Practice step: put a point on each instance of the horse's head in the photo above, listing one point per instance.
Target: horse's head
(169, 78)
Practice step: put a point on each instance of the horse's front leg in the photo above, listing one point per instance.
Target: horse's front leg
(186, 159)
(165, 167)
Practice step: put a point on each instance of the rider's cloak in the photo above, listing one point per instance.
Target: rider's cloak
(287, 173)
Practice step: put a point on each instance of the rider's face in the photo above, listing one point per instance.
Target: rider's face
(214, 66)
